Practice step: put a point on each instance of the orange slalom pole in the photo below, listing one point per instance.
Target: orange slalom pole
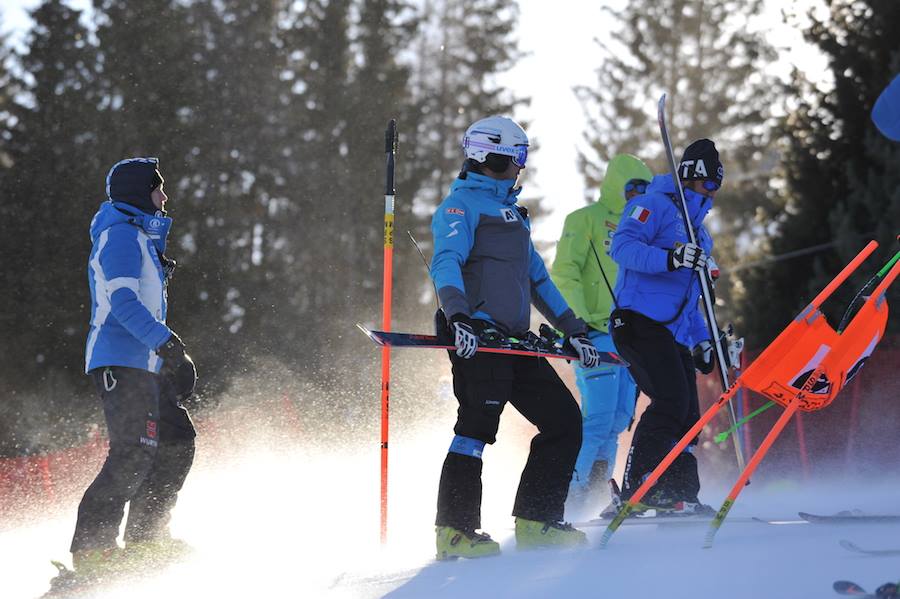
(754, 462)
(801, 446)
(654, 476)
(842, 276)
(390, 138)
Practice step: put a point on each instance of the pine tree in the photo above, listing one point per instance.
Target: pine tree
(49, 195)
(462, 44)
(712, 67)
(841, 185)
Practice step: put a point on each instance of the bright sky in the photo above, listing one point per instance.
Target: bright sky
(561, 54)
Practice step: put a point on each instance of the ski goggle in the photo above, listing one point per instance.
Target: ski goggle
(638, 185)
(710, 185)
(519, 154)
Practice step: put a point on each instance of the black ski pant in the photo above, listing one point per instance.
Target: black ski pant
(151, 449)
(483, 385)
(664, 371)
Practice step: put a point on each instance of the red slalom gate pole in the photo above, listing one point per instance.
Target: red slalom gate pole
(390, 143)
(657, 472)
(754, 462)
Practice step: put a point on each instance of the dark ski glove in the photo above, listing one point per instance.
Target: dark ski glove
(703, 356)
(888, 590)
(588, 356)
(177, 367)
(464, 337)
(690, 255)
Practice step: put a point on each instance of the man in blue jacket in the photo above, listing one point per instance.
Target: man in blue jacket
(487, 274)
(659, 320)
(141, 373)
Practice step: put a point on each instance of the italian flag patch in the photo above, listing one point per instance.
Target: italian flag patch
(640, 214)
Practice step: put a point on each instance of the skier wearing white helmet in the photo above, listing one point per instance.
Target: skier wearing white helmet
(488, 274)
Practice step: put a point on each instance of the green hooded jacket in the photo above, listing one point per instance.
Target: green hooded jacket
(575, 269)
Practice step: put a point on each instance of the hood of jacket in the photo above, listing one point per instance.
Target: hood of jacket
(621, 169)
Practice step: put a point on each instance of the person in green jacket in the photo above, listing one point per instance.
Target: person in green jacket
(608, 393)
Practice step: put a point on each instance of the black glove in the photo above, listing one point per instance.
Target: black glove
(888, 590)
(588, 355)
(690, 255)
(177, 367)
(464, 337)
(703, 356)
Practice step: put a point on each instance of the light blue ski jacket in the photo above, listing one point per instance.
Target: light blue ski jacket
(128, 292)
(651, 225)
(485, 265)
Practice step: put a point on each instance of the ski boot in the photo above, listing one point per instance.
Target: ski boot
(615, 501)
(98, 564)
(90, 567)
(154, 553)
(664, 507)
(66, 583)
(531, 534)
(453, 543)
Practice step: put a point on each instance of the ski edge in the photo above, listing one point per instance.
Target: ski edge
(851, 546)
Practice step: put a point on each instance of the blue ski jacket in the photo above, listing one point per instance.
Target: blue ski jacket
(128, 292)
(485, 265)
(651, 225)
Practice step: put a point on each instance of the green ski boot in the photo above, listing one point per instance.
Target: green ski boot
(531, 534)
(453, 543)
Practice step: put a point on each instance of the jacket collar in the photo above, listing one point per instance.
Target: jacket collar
(499, 190)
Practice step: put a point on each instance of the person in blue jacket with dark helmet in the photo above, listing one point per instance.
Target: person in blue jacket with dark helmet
(659, 321)
(142, 374)
(487, 274)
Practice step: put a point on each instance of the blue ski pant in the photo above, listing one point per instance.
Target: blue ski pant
(608, 396)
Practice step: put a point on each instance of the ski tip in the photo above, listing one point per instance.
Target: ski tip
(369, 333)
(845, 587)
(59, 565)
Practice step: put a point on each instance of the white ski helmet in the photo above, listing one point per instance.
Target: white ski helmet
(496, 135)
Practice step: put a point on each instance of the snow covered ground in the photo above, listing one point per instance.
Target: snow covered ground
(302, 522)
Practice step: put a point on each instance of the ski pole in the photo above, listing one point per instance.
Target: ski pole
(427, 266)
(725, 434)
(705, 284)
(869, 284)
(603, 272)
(390, 148)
